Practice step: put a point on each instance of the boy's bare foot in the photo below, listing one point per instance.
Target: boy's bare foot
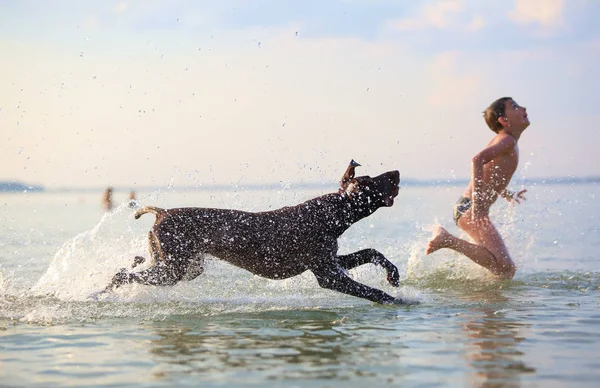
(441, 239)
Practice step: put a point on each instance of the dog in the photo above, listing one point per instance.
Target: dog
(276, 244)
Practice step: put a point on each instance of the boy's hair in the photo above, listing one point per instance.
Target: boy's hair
(493, 112)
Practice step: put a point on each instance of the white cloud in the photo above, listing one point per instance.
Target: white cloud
(454, 86)
(477, 23)
(440, 15)
(437, 14)
(121, 7)
(91, 22)
(405, 24)
(546, 13)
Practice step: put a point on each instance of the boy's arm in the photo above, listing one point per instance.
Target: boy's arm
(486, 155)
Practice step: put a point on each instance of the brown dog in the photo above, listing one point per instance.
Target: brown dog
(274, 244)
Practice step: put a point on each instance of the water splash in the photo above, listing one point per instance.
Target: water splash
(86, 263)
(443, 267)
(89, 260)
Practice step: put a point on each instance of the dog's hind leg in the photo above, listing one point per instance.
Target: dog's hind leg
(334, 278)
(153, 247)
(157, 275)
(365, 256)
(195, 267)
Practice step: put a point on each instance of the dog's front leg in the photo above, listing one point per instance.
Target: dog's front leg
(371, 256)
(334, 278)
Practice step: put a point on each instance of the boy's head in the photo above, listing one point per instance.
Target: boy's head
(505, 112)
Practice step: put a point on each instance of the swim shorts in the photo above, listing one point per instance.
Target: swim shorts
(462, 205)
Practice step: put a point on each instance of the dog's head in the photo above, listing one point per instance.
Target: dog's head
(367, 192)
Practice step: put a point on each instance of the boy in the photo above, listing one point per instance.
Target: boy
(491, 172)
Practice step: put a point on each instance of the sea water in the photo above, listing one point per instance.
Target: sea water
(230, 328)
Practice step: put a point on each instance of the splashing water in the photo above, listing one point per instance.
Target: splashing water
(85, 264)
(443, 268)
(88, 261)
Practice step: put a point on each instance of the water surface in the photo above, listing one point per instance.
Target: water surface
(230, 328)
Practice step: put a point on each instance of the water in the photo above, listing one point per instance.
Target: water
(230, 328)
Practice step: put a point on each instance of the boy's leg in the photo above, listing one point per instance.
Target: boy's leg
(488, 251)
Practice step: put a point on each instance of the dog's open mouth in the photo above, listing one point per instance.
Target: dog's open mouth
(389, 200)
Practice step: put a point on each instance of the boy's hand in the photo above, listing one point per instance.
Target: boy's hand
(514, 197)
(518, 197)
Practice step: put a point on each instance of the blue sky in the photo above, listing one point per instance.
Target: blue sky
(201, 92)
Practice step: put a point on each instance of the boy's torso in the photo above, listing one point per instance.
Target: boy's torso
(496, 174)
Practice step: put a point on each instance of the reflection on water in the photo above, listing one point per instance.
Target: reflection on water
(486, 338)
(283, 345)
(493, 344)
(346, 345)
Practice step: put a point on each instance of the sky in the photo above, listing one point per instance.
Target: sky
(148, 92)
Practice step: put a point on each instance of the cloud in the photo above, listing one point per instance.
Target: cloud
(477, 23)
(91, 22)
(453, 85)
(547, 13)
(439, 15)
(121, 7)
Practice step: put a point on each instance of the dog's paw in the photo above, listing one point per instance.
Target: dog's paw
(121, 277)
(137, 261)
(393, 276)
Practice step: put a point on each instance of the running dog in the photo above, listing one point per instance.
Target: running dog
(274, 244)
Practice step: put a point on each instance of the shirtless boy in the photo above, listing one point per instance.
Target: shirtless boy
(491, 171)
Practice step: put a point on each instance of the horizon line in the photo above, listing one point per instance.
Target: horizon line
(16, 186)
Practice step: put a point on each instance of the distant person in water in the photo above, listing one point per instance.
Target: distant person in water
(131, 202)
(107, 199)
(491, 172)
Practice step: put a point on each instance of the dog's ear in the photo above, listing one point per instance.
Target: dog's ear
(348, 175)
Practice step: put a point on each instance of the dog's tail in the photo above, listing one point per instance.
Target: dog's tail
(150, 209)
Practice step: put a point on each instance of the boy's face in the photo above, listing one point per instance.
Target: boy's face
(514, 115)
